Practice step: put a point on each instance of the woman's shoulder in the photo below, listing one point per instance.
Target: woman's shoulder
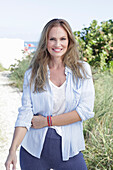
(84, 63)
(86, 68)
(28, 73)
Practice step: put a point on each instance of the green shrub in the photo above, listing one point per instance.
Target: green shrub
(18, 70)
(96, 43)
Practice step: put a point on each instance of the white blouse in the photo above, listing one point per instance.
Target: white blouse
(59, 98)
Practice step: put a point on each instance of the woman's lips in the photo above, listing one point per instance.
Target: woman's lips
(57, 49)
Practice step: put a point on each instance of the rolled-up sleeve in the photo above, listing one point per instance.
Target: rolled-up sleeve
(86, 102)
(25, 111)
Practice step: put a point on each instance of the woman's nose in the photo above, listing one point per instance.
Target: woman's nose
(57, 43)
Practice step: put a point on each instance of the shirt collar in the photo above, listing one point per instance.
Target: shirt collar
(48, 71)
(67, 70)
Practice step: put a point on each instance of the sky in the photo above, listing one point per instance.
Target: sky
(25, 19)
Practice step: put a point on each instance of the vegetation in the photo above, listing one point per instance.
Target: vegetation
(2, 68)
(96, 44)
(18, 70)
(99, 130)
(96, 47)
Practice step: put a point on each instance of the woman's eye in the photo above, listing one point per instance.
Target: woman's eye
(52, 39)
(55, 39)
(63, 38)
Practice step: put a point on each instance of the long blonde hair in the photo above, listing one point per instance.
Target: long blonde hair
(42, 57)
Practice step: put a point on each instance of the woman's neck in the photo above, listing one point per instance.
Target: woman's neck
(56, 63)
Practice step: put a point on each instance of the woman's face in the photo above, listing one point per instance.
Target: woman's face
(57, 42)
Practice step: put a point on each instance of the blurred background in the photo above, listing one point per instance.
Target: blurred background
(21, 23)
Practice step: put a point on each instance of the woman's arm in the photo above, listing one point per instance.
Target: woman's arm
(66, 118)
(19, 134)
(59, 120)
(26, 110)
(23, 122)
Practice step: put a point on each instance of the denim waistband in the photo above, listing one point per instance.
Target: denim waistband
(51, 133)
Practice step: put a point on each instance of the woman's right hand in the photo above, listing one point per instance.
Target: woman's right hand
(39, 122)
(11, 159)
(18, 136)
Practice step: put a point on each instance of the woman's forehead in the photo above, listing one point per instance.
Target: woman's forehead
(57, 30)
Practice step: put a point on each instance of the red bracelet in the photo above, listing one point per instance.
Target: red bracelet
(49, 120)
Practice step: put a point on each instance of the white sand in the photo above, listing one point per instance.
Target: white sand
(10, 100)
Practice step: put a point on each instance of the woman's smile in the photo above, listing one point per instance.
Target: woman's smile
(57, 50)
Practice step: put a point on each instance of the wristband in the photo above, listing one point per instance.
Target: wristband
(49, 121)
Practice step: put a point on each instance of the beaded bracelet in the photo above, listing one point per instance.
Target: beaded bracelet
(49, 120)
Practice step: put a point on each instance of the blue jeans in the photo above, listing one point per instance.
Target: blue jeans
(51, 156)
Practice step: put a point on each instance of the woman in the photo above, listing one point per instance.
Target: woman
(58, 95)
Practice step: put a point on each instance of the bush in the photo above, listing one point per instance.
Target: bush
(96, 43)
(18, 70)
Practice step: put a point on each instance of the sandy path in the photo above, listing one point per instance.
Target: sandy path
(10, 100)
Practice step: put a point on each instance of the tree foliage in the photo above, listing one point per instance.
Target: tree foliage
(96, 44)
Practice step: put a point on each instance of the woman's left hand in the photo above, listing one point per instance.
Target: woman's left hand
(39, 122)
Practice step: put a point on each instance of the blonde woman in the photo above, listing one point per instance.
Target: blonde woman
(58, 95)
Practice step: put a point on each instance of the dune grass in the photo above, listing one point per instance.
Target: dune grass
(99, 130)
